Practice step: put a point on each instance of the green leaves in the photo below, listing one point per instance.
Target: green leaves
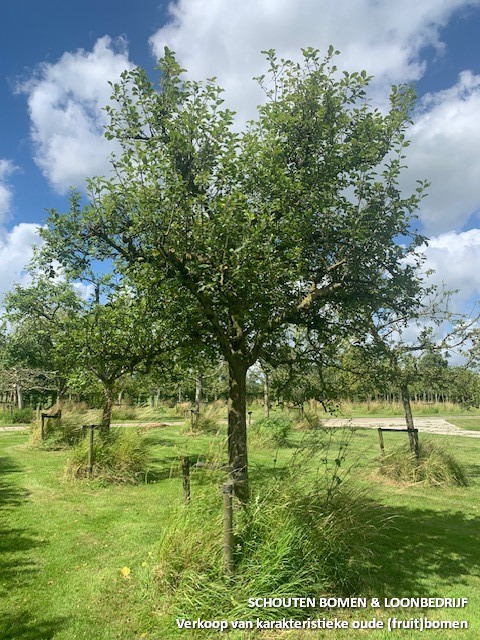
(289, 221)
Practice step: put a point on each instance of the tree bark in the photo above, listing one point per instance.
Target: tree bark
(266, 393)
(237, 428)
(198, 396)
(19, 394)
(407, 407)
(107, 407)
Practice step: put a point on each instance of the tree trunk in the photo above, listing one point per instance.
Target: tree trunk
(61, 391)
(266, 393)
(107, 407)
(237, 428)
(407, 407)
(198, 396)
(19, 394)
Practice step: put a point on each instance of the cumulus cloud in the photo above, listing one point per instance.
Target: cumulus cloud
(66, 101)
(16, 250)
(6, 169)
(445, 150)
(224, 39)
(453, 257)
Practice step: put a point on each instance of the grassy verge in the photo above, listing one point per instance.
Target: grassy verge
(471, 424)
(80, 560)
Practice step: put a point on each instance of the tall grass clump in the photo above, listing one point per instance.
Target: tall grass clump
(435, 466)
(121, 456)
(124, 413)
(206, 422)
(314, 417)
(295, 537)
(272, 431)
(17, 416)
(58, 433)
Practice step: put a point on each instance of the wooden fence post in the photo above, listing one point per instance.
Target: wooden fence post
(90, 452)
(380, 437)
(228, 563)
(186, 478)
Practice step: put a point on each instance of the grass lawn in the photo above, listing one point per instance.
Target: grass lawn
(64, 545)
(470, 423)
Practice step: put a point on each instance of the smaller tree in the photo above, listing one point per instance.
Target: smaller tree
(108, 335)
(388, 355)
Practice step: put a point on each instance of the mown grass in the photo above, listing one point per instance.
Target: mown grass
(391, 409)
(63, 545)
(470, 424)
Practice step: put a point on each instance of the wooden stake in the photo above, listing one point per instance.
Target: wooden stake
(380, 437)
(186, 478)
(228, 563)
(90, 452)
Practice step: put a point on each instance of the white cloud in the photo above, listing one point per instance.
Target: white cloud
(66, 101)
(16, 250)
(224, 38)
(455, 258)
(6, 169)
(445, 150)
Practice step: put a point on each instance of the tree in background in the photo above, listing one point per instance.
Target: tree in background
(293, 221)
(108, 335)
(31, 355)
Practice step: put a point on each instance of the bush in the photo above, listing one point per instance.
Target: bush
(183, 409)
(121, 456)
(206, 422)
(17, 416)
(123, 413)
(290, 540)
(435, 466)
(273, 431)
(58, 433)
(313, 418)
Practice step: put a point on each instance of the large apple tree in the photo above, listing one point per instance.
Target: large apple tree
(297, 219)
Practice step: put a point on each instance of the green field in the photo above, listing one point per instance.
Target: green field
(78, 558)
(470, 423)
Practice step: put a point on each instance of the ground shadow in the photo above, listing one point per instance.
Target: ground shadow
(418, 544)
(22, 626)
(411, 548)
(473, 470)
(16, 567)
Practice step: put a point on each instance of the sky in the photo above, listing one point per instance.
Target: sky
(57, 57)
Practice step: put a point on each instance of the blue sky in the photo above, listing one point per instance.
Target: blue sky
(56, 58)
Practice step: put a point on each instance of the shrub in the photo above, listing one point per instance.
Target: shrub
(206, 422)
(273, 431)
(183, 409)
(58, 433)
(121, 456)
(123, 413)
(435, 466)
(17, 416)
(313, 418)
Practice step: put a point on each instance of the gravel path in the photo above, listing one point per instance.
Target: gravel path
(424, 425)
